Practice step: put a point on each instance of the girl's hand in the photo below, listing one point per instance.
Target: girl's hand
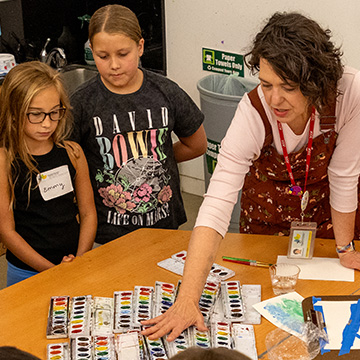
(68, 258)
(350, 260)
(184, 313)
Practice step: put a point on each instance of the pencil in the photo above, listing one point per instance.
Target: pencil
(246, 261)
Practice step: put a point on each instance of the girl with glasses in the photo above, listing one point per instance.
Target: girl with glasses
(47, 208)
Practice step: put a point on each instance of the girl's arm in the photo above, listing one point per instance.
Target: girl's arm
(190, 147)
(8, 235)
(85, 201)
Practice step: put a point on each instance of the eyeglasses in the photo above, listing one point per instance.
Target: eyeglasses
(37, 117)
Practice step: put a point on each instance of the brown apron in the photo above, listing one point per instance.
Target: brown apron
(266, 206)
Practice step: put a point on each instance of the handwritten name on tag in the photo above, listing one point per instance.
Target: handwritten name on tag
(55, 182)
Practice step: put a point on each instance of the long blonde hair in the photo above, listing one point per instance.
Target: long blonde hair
(21, 85)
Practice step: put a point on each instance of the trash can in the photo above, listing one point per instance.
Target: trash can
(219, 97)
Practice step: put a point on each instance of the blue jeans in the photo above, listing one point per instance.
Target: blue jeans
(15, 274)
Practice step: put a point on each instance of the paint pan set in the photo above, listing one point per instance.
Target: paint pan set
(232, 300)
(233, 335)
(104, 328)
(123, 307)
(58, 318)
(208, 299)
(59, 351)
(80, 316)
(94, 348)
(155, 349)
(221, 334)
(165, 294)
(143, 303)
(201, 339)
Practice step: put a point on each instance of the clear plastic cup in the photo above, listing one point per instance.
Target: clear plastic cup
(283, 278)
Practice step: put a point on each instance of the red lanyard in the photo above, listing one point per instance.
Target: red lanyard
(296, 190)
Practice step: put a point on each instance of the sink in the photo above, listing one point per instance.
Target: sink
(74, 75)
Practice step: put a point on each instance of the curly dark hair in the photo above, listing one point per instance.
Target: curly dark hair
(301, 52)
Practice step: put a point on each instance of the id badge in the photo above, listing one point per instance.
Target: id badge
(302, 240)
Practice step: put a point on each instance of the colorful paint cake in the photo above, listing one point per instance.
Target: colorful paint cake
(81, 348)
(164, 297)
(199, 338)
(57, 324)
(221, 335)
(143, 302)
(80, 316)
(123, 317)
(207, 299)
(232, 300)
(180, 344)
(155, 349)
(104, 348)
(60, 351)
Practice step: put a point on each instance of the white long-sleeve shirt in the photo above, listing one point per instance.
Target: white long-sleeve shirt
(244, 140)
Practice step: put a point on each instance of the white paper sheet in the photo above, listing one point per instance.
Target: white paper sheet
(336, 316)
(320, 269)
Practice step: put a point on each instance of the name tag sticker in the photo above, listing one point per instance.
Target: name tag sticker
(55, 182)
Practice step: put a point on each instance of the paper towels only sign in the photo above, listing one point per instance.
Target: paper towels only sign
(222, 62)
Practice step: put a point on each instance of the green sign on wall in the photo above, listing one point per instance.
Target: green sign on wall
(223, 62)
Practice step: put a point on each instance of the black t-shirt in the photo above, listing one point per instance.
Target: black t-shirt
(48, 221)
(128, 145)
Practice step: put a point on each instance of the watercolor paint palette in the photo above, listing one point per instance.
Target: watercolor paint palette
(60, 351)
(164, 297)
(123, 305)
(244, 340)
(221, 335)
(199, 338)
(80, 316)
(81, 348)
(208, 299)
(104, 348)
(180, 344)
(155, 349)
(176, 264)
(232, 300)
(58, 317)
(103, 316)
(143, 303)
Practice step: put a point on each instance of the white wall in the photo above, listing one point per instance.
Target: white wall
(230, 25)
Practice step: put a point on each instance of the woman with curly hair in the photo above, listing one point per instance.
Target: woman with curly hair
(291, 149)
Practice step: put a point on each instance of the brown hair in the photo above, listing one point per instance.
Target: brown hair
(301, 52)
(21, 85)
(115, 19)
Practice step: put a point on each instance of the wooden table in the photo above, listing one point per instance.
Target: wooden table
(132, 260)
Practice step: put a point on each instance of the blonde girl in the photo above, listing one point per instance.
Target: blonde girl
(47, 209)
(124, 120)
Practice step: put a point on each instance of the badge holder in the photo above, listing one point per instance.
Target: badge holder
(302, 235)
